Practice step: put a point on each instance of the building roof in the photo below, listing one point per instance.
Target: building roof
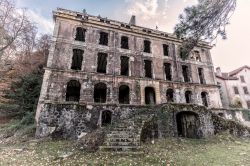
(236, 71)
(226, 76)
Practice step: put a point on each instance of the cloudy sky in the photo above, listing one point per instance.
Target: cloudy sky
(228, 54)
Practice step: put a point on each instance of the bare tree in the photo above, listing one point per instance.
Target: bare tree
(14, 26)
(204, 21)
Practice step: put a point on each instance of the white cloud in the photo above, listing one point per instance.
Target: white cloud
(44, 25)
(150, 13)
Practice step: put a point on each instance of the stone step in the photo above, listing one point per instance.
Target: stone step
(121, 143)
(120, 148)
(122, 136)
(122, 140)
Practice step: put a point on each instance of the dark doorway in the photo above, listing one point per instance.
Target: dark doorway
(187, 124)
(103, 38)
(148, 68)
(167, 68)
(80, 34)
(170, 95)
(185, 73)
(100, 93)
(124, 65)
(106, 117)
(77, 59)
(73, 91)
(102, 62)
(124, 42)
(147, 48)
(188, 96)
(150, 96)
(124, 94)
(204, 98)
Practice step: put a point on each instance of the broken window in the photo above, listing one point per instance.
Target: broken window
(148, 68)
(245, 90)
(149, 96)
(188, 96)
(236, 90)
(187, 124)
(242, 79)
(147, 44)
(185, 73)
(77, 59)
(124, 42)
(80, 34)
(170, 95)
(100, 93)
(73, 91)
(106, 117)
(204, 98)
(102, 62)
(124, 94)
(165, 50)
(182, 53)
(168, 73)
(197, 56)
(124, 65)
(201, 75)
(103, 38)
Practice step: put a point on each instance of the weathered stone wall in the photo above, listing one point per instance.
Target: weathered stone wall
(75, 121)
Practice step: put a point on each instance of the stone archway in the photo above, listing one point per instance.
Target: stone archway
(187, 124)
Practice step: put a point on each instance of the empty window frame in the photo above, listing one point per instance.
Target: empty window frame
(102, 62)
(168, 71)
(147, 46)
(242, 79)
(73, 91)
(150, 96)
(245, 90)
(80, 34)
(197, 56)
(248, 104)
(236, 90)
(185, 73)
(100, 93)
(182, 53)
(170, 95)
(148, 68)
(124, 42)
(201, 75)
(188, 96)
(124, 94)
(103, 38)
(204, 98)
(165, 50)
(124, 65)
(77, 59)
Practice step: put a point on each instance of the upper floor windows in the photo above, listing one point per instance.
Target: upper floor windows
(185, 73)
(242, 79)
(236, 90)
(201, 75)
(147, 46)
(80, 34)
(148, 68)
(77, 59)
(103, 38)
(165, 50)
(168, 71)
(124, 42)
(102, 62)
(124, 65)
(245, 90)
(197, 56)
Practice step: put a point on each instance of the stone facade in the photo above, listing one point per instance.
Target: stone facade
(235, 87)
(100, 68)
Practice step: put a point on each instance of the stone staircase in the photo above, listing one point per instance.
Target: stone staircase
(125, 134)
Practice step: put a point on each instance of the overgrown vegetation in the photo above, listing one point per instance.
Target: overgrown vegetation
(204, 21)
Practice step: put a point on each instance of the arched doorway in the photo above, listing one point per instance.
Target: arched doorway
(73, 91)
(149, 96)
(106, 117)
(100, 93)
(124, 94)
(187, 124)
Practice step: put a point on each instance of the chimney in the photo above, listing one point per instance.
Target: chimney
(132, 20)
(218, 71)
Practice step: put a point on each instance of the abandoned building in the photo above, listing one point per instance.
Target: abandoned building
(101, 71)
(234, 87)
